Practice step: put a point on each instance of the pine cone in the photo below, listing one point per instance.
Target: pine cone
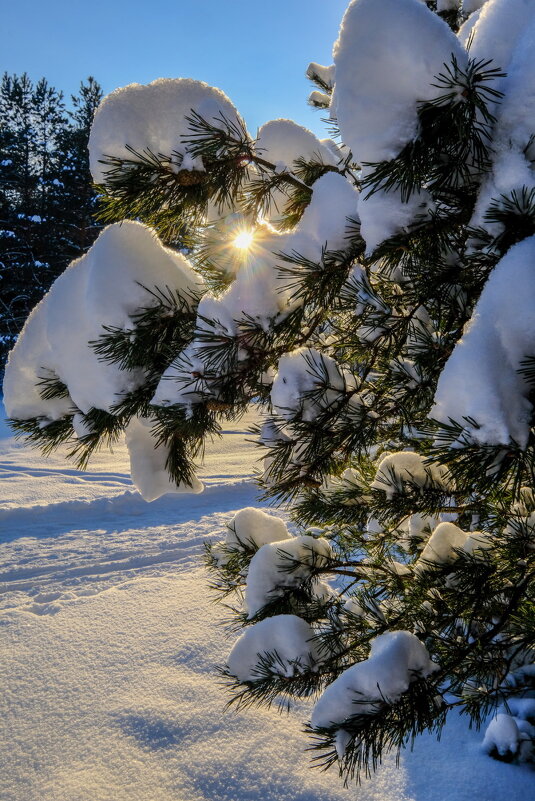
(190, 177)
(217, 406)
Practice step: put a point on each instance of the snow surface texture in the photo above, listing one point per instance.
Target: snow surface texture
(109, 643)
(480, 379)
(498, 29)
(153, 117)
(465, 31)
(105, 287)
(386, 58)
(469, 6)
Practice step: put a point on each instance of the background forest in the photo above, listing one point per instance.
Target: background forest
(47, 200)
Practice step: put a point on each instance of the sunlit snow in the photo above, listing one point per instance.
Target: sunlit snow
(109, 645)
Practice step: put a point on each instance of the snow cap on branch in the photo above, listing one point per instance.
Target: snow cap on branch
(320, 72)
(502, 735)
(282, 142)
(442, 546)
(105, 287)
(480, 381)
(305, 371)
(513, 149)
(287, 636)
(153, 117)
(254, 527)
(148, 463)
(406, 467)
(396, 659)
(386, 57)
(276, 567)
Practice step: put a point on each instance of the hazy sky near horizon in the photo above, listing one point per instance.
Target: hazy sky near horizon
(256, 52)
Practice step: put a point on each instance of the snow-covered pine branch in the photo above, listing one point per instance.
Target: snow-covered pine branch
(374, 297)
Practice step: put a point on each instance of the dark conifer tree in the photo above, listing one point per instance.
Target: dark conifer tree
(47, 200)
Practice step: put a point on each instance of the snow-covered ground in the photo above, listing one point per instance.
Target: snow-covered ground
(109, 644)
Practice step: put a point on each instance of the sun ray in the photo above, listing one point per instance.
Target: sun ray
(244, 240)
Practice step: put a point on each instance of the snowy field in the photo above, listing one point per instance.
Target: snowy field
(109, 642)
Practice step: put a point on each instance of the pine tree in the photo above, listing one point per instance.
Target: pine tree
(79, 199)
(332, 284)
(19, 218)
(46, 195)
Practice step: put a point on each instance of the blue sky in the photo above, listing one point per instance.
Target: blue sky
(256, 52)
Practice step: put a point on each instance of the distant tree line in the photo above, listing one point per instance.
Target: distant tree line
(47, 200)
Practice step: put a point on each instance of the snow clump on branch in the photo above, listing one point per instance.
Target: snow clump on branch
(283, 643)
(104, 288)
(481, 383)
(152, 117)
(274, 568)
(380, 80)
(397, 658)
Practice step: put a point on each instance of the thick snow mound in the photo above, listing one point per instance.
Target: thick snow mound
(480, 380)
(497, 30)
(277, 566)
(148, 462)
(282, 142)
(287, 636)
(513, 149)
(397, 469)
(153, 116)
(386, 59)
(255, 527)
(105, 287)
(396, 659)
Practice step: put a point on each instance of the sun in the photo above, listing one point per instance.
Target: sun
(244, 240)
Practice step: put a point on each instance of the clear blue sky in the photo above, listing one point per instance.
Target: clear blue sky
(257, 52)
